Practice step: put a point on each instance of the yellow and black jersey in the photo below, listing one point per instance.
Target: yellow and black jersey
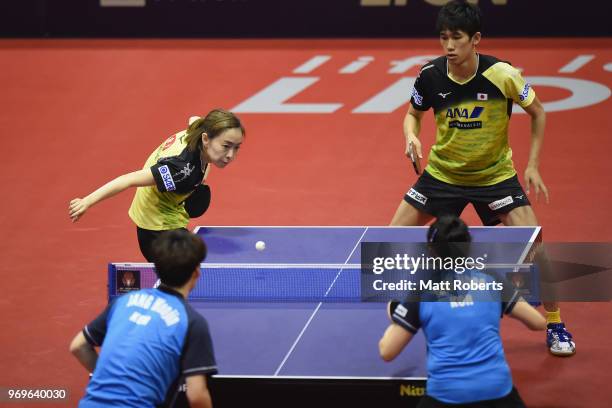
(177, 172)
(472, 117)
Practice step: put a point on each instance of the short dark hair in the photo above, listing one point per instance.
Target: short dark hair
(176, 254)
(459, 15)
(444, 234)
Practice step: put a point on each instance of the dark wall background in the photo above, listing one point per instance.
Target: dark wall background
(290, 18)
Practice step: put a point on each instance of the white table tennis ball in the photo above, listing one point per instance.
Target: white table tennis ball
(260, 245)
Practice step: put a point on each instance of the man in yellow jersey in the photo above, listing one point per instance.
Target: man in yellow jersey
(173, 173)
(472, 95)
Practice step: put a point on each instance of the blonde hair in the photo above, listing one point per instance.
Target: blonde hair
(216, 122)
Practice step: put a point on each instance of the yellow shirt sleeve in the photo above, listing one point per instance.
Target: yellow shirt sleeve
(512, 84)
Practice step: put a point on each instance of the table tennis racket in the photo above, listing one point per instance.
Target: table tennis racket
(197, 203)
(414, 157)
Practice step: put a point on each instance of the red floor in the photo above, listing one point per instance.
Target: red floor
(77, 113)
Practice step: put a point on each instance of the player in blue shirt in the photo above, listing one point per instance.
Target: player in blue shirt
(465, 356)
(152, 341)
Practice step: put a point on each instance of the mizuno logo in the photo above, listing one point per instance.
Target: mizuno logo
(444, 95)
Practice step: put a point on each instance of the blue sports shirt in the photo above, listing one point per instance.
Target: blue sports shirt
(150, 340)
(465, 356)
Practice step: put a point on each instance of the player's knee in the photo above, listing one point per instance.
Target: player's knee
(408, 216)
(520, 216)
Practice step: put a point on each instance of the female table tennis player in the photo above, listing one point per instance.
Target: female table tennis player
(170, 187)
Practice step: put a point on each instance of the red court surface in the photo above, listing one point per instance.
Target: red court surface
(76, 113)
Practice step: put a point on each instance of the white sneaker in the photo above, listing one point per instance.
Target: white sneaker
(559, 340)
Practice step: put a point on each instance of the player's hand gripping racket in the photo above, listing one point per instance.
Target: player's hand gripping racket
(414, 157)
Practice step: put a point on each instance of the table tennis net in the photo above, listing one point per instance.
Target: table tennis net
(260, 282)
(248, 282)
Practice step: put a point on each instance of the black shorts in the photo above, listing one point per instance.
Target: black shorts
(145, 241)
(437, 198)
(512, 400)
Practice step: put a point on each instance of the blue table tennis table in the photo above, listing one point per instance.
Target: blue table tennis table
(317, 343)
(316, 348)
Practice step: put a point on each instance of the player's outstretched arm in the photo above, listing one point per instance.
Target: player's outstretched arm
(538, 124)
(197, 392)
(84, 352)
(393, 341)
(528, 315)
(140, 178)
(412, 128)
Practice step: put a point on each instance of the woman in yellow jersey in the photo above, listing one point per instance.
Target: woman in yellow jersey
(171, 174)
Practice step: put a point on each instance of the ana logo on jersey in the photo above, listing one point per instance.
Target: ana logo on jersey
(464, 113)
(455, 113)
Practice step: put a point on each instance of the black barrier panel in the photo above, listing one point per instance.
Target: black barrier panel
(316, 392)
(23, 18)
(290, 18)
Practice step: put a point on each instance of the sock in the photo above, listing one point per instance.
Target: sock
(553, 317)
